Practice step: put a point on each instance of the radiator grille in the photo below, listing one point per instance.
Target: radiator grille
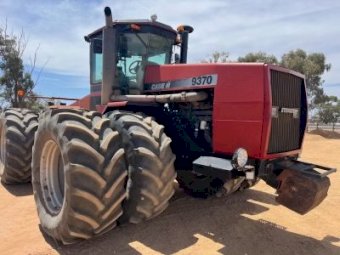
(287, 99)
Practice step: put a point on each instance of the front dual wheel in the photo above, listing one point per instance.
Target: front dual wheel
(150, 165)
(89, 172)
(78, 174)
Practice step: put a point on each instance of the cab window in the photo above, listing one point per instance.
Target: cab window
(136, 51)
(96, 72)
(158, 59)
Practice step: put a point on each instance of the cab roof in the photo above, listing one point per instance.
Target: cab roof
(140, 22)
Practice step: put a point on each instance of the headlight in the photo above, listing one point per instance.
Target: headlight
(240, 158)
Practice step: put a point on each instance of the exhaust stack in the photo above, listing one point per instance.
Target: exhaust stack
(108, 17)
(109, 57)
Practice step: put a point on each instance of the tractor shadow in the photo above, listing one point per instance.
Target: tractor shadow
(19, 189)
(217, 224)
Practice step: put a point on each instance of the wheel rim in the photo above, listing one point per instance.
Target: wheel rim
(2, 149)
(52, 176)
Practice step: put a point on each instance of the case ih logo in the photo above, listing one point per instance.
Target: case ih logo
(203, 80)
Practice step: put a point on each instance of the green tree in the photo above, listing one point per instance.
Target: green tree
(313, 66)
(260, 57)
(329, 112)
(12, 73)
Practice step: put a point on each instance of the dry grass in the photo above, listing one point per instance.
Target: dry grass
(325, 133)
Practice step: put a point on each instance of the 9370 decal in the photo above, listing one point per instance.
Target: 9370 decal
(202, 80)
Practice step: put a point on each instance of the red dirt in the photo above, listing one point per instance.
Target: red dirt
(248, 222)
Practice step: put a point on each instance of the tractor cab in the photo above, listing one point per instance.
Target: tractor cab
(121, 51)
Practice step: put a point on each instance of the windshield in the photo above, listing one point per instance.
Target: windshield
(135, 52)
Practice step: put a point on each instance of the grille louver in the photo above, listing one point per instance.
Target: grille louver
(287, 96)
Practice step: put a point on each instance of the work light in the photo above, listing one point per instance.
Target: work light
(240, 158)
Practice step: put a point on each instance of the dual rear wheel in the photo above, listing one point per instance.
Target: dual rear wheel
(17, 128)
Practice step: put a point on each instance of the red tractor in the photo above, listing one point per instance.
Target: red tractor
(150, 119)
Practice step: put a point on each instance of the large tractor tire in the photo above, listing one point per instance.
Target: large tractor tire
(150, 163)
(78, 174)
(17, 128)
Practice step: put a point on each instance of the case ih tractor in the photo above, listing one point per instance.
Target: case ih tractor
(147, 121)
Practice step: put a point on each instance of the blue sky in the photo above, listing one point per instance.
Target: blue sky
(237, 27)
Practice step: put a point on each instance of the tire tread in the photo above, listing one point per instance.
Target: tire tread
(85, 139)
(20, 124)
(151, 165)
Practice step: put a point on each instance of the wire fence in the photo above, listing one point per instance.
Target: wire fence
(335, 127)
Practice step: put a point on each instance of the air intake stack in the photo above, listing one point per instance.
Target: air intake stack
(184, 31)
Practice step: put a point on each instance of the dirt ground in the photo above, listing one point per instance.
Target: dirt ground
(248, 222)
